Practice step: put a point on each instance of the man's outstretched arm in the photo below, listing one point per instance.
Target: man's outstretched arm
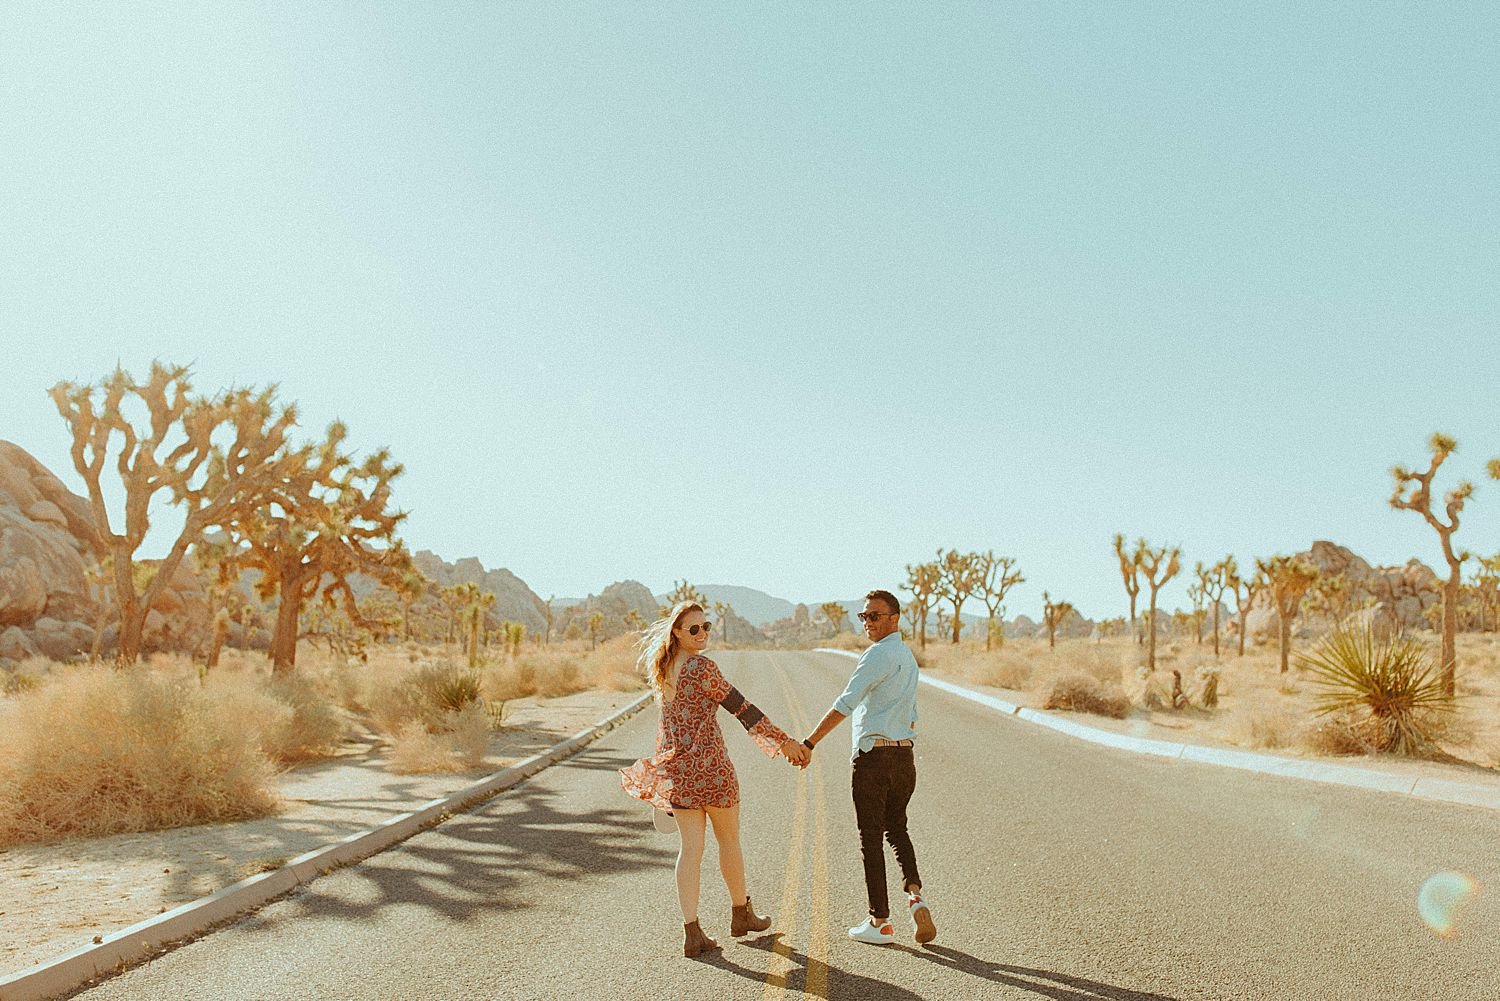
(826, 726)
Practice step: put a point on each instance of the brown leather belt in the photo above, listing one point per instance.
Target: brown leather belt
(884, 742)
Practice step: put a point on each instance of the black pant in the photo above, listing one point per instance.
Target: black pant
(884, 779)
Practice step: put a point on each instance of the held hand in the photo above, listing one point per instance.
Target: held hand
(795, 753)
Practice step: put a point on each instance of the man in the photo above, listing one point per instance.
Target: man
(882, 698)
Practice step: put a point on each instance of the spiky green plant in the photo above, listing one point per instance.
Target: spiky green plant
(1391, 682)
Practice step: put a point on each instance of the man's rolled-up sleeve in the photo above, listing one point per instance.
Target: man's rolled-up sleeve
(871, 670)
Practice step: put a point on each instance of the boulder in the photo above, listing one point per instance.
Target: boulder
(46, 540)
(23, 592)
(16, 645)
(61, 640)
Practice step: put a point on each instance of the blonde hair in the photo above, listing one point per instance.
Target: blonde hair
(659, 645)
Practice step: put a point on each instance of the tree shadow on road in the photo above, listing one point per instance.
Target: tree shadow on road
(477, 863)
(1044, 983)
(810, 973)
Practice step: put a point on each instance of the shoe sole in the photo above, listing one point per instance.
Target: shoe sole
(926, 927)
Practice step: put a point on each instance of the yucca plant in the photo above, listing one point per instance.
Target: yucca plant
(1387, 684)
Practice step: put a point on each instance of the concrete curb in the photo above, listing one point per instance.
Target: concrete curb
(1440, 790)
(146, 939)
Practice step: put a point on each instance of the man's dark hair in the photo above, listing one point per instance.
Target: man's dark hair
(887, 597)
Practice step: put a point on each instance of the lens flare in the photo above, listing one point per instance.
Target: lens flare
(1441, 899)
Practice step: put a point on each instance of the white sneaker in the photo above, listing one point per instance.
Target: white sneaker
(876, 934)
(921, 916)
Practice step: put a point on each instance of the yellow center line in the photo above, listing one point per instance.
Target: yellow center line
(817, 933)
(816, 975)
(792, 888)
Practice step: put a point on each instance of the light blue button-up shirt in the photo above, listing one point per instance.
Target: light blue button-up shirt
(881, 697)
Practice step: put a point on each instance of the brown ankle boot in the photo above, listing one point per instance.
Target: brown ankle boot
(744, 919)
(694, 941)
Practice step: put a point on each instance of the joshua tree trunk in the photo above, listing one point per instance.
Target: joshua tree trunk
(1216, 630)
(1449, 651)
(1284, 622)
(1151, 634)
(216, 641)
(288, 615)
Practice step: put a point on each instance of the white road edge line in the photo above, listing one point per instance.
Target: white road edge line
(1440, 790)
(147, 939)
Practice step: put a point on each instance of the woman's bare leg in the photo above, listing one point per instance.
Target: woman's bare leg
(690, 828)
(726, 821)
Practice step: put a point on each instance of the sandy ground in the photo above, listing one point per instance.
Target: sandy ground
(55, 898)
(1252, 691)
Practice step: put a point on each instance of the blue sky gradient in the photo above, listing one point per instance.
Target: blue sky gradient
(788, 295)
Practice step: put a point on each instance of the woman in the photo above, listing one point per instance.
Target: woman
(690, 776)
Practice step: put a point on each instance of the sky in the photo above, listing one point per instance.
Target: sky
(787, 295)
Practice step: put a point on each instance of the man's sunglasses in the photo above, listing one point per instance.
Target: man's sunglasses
(693, 629)
(872, 616)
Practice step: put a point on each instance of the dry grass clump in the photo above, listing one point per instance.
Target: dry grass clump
(97, 752)
(456, 744)
(293, 717)
(1080, 691)
(556, 670)
(1271, 727)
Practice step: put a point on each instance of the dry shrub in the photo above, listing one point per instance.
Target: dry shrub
(423, 695)
(1007, 670)
(457, 745)
(558, 670)
(1342, 733)
(1271, 728)
(101, 752)
(1082, 692)
(292, 717)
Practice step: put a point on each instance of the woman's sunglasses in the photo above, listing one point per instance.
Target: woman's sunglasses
(693, 629)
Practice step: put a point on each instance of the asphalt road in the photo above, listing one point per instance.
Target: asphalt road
(1056, 869)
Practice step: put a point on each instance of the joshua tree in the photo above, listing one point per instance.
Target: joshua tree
(1054, 614)
(910, 614)
(634, 621)
(1199, 597)
(1331, 596)
(959, 577)
(473, 606)
(547, 614)
(1158, 566)
(453, 597)
(1287, 580)
(325, 520)
(835, 613)
(942, 621)
(596, 627)
(1414, 493)
(722, 611)
(1245, 592)
(409, 588)
(683, 591)
(922, 581)
(1129, 568)
(215, 559)
(997, 575)
(1486, 584)
(1215, 585)
(221, 456)
(98, 576)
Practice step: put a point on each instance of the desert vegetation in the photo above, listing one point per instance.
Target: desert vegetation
(88, 751)
(1365, 679)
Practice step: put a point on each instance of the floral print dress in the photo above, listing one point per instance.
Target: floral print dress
(691, 769)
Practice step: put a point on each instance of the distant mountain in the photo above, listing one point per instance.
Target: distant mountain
(756, 607)
(514, 601)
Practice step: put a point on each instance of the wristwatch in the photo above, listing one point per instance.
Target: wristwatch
(807, 744)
